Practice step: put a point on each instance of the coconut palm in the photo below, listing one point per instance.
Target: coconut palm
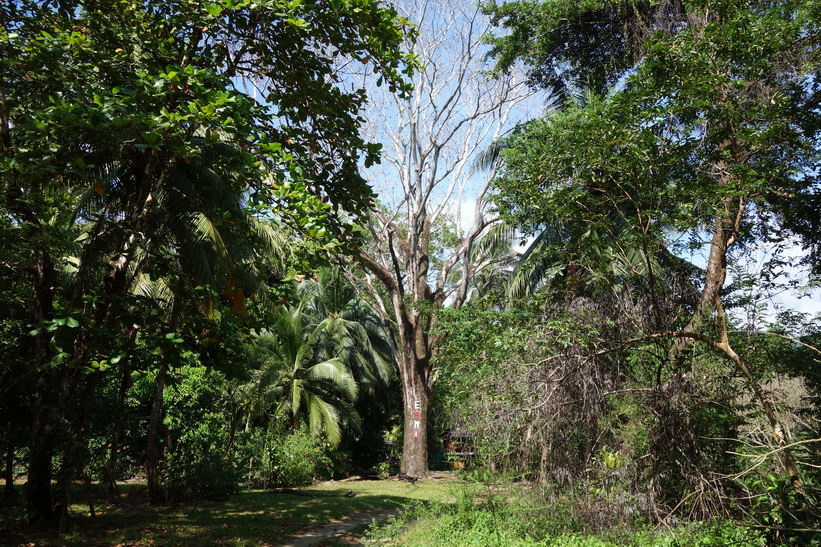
(296, 377)
(349, 329)
(196, 229)
(584, 259)
(198, 246)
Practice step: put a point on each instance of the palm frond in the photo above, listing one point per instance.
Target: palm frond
(337, 374)
(496, 242)
(489, 156)
(324, 419)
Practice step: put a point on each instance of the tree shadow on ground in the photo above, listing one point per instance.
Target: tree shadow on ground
(246, 518)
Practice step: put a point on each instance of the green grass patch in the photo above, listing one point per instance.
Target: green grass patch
(246, 518)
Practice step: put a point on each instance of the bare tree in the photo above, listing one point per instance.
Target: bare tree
(431, 141)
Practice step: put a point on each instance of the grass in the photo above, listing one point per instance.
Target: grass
(247, 518)
(484, 515)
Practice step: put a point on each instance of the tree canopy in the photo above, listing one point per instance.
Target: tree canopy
(177, 174)
(705, 100)
(698, 133)
(152, 139)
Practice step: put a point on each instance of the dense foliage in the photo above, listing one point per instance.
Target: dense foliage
(178, 175)
(152, 154)
(640, 374)
(501, 515)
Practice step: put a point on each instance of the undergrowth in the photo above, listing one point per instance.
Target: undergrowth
(485, 515)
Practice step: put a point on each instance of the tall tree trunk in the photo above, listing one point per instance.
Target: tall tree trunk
(116, 427)
(414, 357)
(8, 472)
(152, 453)
(725, 232)
(5, 150)
(75, 452)
(416, 395)
(45, 419)
(39, 505)
(415, 369)
(232, 432)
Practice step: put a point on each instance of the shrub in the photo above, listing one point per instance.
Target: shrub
(343, 464)
(285, 458)
(498, 514)
(198, 465)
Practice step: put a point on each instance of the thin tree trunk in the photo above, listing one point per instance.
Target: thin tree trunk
(39, 505)
(231, 434)
(295, 420)
(8, 473)
(152, 455)
(111, 464)
(5, 149)
(543, 464)
(725, 231)
(75, 453)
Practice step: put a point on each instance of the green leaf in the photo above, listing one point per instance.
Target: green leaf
(213, 9)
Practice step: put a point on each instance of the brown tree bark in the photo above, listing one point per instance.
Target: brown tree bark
(414, 358)
(415, 371)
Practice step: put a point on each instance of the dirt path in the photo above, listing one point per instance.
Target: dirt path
(339, 528)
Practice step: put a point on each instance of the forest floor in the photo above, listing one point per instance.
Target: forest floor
(327, 513)
(347, 530)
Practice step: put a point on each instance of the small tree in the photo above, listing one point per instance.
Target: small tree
(297, 379)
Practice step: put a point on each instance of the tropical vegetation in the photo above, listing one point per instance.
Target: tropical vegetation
(568, 278)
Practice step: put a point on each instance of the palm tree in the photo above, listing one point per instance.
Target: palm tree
(349, 329)
(581, 259)
(197, 227)
(198, 236)
(296, 378)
